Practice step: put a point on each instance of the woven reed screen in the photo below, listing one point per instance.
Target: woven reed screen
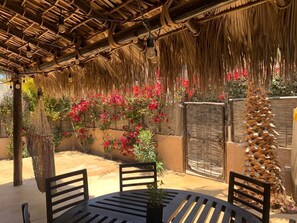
(206, 141)
(282, 108)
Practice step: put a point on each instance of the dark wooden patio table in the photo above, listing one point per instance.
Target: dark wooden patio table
(179, 206)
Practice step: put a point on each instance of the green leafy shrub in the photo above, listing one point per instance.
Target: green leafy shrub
(9, 147)
(145, 149)
(236, 88)
(280, 87)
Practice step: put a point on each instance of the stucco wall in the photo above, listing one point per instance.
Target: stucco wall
(67, 144)
(235, 161)
(294, 155)
(3, 150)
(170, 148)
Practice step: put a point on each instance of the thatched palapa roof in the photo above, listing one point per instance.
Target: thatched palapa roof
(104, 42)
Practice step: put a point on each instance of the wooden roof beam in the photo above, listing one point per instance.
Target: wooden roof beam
(15, 51)
(86, 8)
(11, 6)
(179, 14)
(15, 62)
(5, 67)
(22, 36)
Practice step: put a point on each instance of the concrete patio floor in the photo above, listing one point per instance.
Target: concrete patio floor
(103, 178)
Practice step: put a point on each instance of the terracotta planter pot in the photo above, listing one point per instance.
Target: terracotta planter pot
(154, 214)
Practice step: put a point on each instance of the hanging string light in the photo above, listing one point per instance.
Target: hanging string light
(17, 84)
(155, 59)
(151, 52)
(70, 79)
(29, 51)
(76, 60)
(61, 27)
(150, 47)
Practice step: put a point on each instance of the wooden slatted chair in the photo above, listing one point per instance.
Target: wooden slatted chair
(26, 213)
(251, 193)
(137, 174)
(65, 191)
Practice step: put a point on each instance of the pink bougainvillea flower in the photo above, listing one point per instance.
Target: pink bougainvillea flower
(106, 144)
(138, 128)
(135, 90)
(221, 96)
(153, 105)
(157, 119)
(76, 118)
(115, 99)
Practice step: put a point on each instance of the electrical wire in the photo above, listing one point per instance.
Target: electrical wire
(144, 21)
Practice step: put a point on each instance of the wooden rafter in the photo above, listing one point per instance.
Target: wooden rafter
(86, 8)
(4, 66)
(18, 33)
(12, 61)
(11, 6)
(179, 14)
(15, 51)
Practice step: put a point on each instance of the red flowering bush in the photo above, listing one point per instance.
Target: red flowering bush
(104, 120)
(141, 104)
(110, 145)
(82, 114)
(147, 101)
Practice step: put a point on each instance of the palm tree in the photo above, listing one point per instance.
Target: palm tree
(260, 144)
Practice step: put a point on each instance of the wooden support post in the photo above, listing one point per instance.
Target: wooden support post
(17, 133)
(185, 132)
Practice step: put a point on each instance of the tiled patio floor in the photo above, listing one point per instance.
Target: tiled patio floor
(103, 178)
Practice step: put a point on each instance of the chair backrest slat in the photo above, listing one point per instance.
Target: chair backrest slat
(137, 174)
(25, 213)
(65, 191)
(250, 192)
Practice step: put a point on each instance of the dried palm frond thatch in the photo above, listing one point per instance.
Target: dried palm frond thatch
(256, 38)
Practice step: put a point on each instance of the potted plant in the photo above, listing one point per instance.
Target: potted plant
(154, 212)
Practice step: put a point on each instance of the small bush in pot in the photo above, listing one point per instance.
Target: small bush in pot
(155, 203)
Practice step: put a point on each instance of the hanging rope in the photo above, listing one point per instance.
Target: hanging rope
(165, 18)
(111, 41)
(287, 3)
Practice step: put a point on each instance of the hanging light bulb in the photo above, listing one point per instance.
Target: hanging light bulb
(76, 60)
(135, 39)
(70, 79)
(154, 60)
(61, 27)
(17, 84)
(150, 48)
(29, 51)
